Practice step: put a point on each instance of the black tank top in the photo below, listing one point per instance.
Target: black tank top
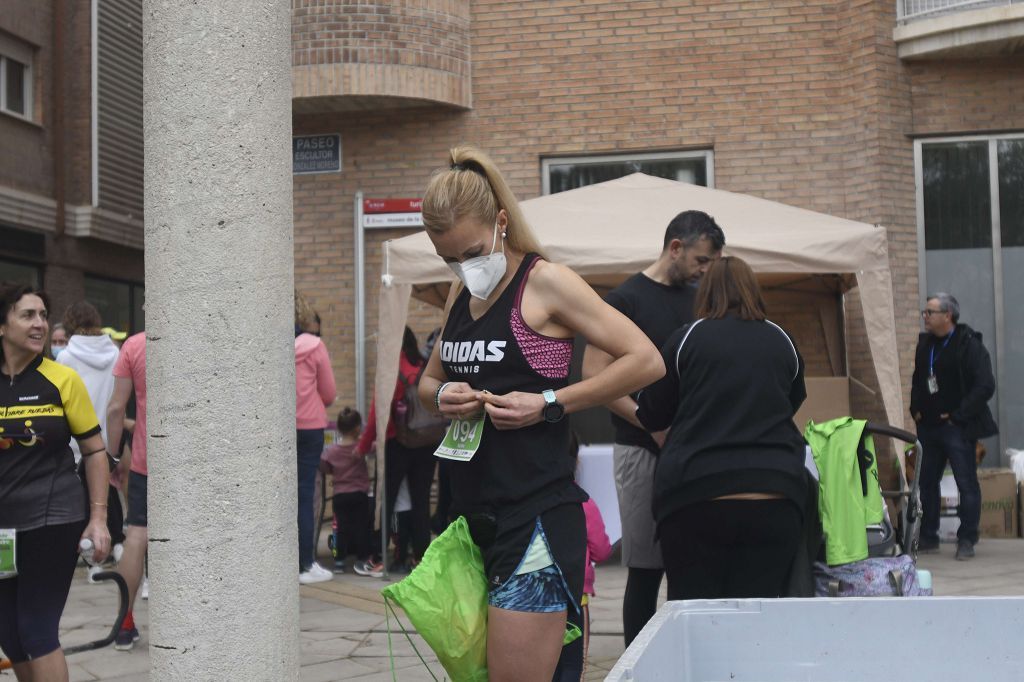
(515, 474)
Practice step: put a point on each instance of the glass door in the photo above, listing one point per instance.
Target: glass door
(1010, 167)
(971, 242)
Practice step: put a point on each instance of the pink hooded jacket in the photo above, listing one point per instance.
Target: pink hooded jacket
(314, 382)
(598, 546)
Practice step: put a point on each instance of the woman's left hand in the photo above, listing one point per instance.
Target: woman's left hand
(513, 410)
(100, 536)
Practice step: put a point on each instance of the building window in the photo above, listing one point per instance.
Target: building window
(957, 194)
(20, 273)
(16, 77)
(957, 207)
(120, 303)
(1010, 155)
(564, 173)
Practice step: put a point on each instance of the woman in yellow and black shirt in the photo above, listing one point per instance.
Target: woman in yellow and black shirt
(42, 405)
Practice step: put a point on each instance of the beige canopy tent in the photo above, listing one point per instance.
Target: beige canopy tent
(608, 231)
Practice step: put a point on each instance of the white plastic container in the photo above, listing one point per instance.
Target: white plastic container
(830, 640)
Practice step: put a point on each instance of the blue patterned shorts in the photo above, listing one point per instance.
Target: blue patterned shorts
(537, 586)
(541, 591)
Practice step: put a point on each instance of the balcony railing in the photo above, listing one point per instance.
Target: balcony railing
(911, 10)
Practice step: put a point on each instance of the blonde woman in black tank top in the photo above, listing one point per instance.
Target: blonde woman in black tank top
(501, 365)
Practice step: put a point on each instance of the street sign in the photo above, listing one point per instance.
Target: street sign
(392, 205)
(385, 213)
(316, 154)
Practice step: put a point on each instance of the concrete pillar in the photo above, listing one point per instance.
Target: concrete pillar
(219, 278)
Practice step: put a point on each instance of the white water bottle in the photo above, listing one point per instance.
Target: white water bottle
(87, 551)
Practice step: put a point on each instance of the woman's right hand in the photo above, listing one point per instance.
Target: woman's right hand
(459, 400)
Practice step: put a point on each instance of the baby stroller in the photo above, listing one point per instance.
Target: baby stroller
(885, 565)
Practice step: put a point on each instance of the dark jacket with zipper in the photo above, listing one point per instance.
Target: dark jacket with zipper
(966, 383)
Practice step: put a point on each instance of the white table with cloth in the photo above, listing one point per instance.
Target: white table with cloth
(596, 475)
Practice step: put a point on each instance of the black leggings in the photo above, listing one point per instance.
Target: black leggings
(730, 548)
(418, 464)
(352, 512)
(32, 602)
(640, 600)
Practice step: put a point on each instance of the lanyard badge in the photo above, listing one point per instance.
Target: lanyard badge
(8, 553)
(933, 382)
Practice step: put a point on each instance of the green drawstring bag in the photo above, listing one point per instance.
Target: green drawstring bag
(445, 597)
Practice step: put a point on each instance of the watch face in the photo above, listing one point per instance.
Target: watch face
(553, 412)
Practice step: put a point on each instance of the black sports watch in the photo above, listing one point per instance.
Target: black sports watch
(553, 410)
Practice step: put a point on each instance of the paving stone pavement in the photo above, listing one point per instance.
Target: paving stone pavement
(344, 635)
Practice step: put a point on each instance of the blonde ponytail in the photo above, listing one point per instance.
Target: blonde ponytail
(473, 186)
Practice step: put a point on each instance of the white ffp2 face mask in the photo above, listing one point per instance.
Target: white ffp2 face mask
(482, 274)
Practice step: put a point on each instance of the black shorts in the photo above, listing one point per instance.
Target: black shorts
(565, 528)
(137, 500)
(32, 602)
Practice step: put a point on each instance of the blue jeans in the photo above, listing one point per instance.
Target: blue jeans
(943, 443)
(309, 445)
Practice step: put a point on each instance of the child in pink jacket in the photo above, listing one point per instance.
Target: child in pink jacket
(598, 546)
(572, 664)
(598, 550)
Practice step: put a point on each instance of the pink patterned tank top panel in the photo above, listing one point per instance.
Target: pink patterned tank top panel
(548, 356)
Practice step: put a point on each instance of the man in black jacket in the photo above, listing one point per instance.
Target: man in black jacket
(952, 385)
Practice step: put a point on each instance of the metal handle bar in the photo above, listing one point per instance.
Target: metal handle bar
(891, 431)
(122, 611)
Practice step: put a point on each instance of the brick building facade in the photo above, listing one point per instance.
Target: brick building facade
(70, 163)
(821, 104)
(804, 103)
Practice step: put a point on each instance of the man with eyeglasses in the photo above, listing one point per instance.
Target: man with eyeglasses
(952, 385)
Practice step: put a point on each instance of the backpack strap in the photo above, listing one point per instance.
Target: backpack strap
(896, 579)
(391, 654)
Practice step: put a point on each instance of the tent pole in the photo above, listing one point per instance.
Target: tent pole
(360, 295)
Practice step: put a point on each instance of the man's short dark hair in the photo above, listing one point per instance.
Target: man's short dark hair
(690, 226)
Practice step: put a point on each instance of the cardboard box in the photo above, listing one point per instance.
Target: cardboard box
(949, 498)
(1000, 505)
(1000, 517)
(948, 526)
(827, 398)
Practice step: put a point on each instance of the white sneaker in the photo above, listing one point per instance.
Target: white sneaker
(144, 590)
(311, 576)
(320, 570)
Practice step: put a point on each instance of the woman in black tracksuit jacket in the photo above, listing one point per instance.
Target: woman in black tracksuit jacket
(729, 483)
